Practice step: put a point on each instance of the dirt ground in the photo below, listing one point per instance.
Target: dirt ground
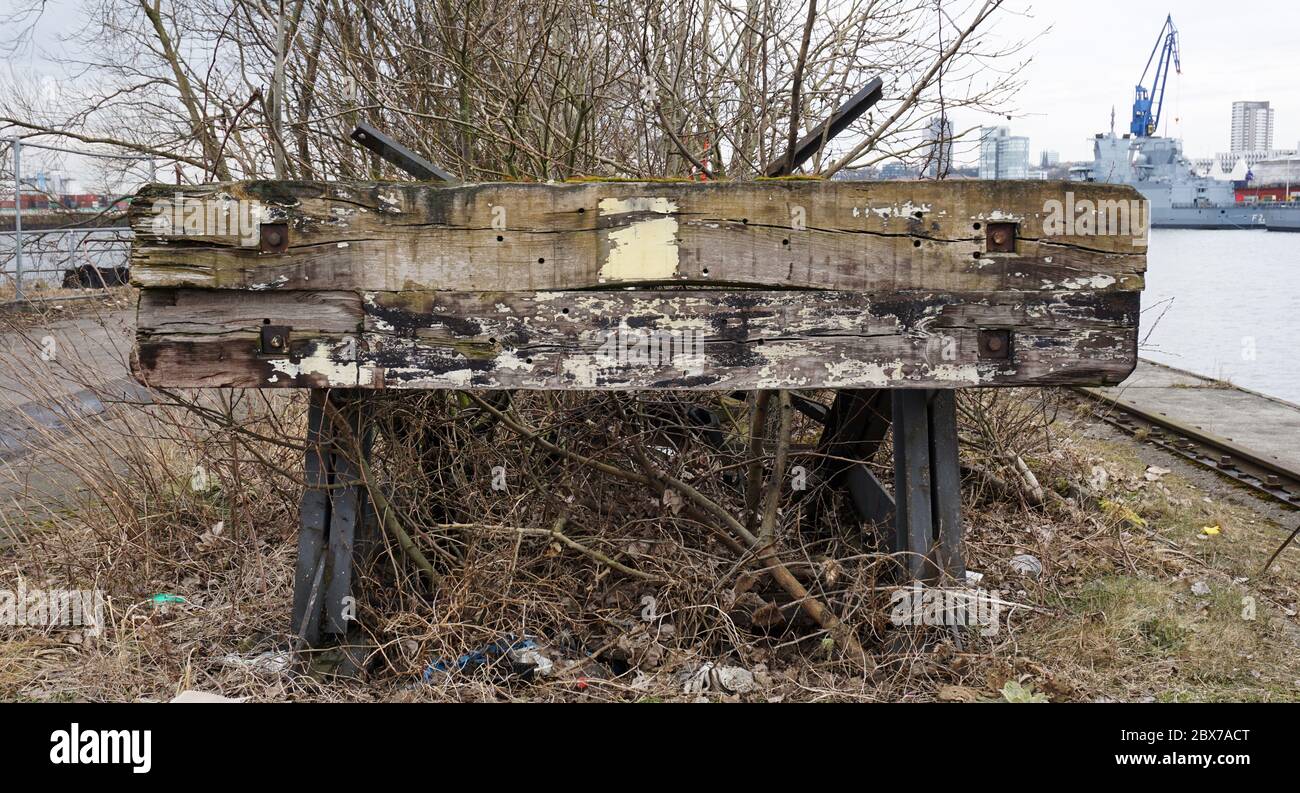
(1139, 579)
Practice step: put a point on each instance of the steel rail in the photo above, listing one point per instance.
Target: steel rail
(1265, 475)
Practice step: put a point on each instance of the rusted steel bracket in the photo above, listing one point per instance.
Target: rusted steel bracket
(397, 154)
(927, 485)
(337, 523)
(822, 134)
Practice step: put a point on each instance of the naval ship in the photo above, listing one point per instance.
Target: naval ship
(1179, 197)
(1284, 217)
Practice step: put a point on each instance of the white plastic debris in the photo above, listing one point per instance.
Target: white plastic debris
(1025, 564)
(1155, 473)
(711, 678)
(270, 662)
(533, 657)
(189, 697)
(1201, 589)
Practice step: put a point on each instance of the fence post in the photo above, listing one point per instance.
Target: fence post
(18, 218)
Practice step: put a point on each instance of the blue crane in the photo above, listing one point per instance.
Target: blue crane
(1149, 102)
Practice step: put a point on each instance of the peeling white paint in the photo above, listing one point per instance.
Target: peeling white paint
(582, 369)
(1095, 282)
(902, 211)
(280, 280)
(646, 250)
(321, 363)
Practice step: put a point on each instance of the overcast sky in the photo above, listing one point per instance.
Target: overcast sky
(1088, 63)
(1093, 56)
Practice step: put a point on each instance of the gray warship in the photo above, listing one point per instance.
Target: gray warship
(1179, 198)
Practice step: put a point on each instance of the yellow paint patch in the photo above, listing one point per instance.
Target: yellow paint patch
(647, 249)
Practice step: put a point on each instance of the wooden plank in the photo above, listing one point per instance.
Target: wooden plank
(657, 339)
(807, 234)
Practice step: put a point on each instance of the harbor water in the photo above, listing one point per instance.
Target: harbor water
(1226, 304)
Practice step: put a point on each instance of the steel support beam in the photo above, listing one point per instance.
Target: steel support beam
(927, 485)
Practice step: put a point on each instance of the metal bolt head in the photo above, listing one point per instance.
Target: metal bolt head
(277, 342)
(1001, 237)
(273, 237)
(995, 344)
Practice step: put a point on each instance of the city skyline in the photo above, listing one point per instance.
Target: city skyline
(1069, 93)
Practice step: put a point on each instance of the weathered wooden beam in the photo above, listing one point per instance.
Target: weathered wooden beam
(680, 340)
(781, 234)
(614, 285)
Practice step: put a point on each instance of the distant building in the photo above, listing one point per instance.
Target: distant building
(867, 174)
(1224, 163)
(1003, 156)
(1252, 127)
(1049, 160)
(939, 140)
(1274, 180)
(896, 171)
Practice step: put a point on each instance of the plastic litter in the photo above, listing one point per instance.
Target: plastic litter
(1024, 564)
(526, 659)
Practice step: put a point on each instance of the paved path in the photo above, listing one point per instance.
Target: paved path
(43, 397)
(1267, 426)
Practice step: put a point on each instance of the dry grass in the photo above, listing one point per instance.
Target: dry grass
(650, 584)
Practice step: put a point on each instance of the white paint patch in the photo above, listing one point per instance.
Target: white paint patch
(279, 281)
(321, 363)
(904, 211)
(646, 250)
(1095, 282)
(583, 370)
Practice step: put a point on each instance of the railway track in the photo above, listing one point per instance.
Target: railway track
(1266, 476)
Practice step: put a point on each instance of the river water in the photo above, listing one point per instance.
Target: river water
(1226, 304)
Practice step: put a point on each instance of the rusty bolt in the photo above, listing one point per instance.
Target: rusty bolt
(1226, 462)
(277, 342)
(1274, 482)
(995, 344)
(273, 238)
(1001, 237)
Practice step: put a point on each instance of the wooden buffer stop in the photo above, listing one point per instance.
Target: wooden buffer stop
(892, 294)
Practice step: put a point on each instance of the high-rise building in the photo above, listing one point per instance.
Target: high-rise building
(1002, 155)
(1252, 126)
(938, 158)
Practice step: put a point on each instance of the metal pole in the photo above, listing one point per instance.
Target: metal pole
(18, 218)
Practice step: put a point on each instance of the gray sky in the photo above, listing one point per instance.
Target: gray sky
(1095, 53)
(1089, 61)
